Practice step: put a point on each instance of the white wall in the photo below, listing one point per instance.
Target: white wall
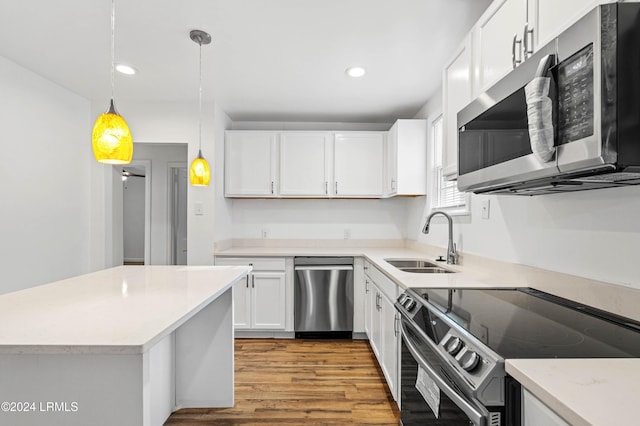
(319, 219)
(223, 220)
(592, 234)
(44, 180)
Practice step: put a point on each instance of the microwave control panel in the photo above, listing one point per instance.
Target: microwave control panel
(575, 97)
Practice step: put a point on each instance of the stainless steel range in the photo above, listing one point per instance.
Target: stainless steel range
(455, 343)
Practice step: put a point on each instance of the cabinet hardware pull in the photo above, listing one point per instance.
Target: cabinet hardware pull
(247, 281)
(395, 325)
(527, 40)
(515, 62)
(393, 184)
(253, 281)
(336, 187)
(366, 286)
(326, 187)
(272, 187)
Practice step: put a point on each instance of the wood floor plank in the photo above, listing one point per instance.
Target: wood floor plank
(301, 382)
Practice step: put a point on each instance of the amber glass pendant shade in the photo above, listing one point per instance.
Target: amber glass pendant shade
(111, 139)
(199, 172)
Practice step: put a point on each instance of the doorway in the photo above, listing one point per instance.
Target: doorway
(163, 198)
(136, 210)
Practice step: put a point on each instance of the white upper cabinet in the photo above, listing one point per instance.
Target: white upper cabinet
(322, 164)
(511, 30)
(498, 40)
(358, 164)
(407, 158)
(304, 164)
(250, 164)
(457, 90)
(553, 16)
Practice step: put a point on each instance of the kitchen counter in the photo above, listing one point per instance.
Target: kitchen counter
(583, 391)
(126, 345)
(462, 277)
(597, 392)
(121, 310)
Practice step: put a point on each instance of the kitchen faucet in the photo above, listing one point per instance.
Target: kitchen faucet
(452, 255)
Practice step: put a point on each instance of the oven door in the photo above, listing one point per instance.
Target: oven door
(428, 394)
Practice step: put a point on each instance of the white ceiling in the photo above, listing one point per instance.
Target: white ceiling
(281, 60)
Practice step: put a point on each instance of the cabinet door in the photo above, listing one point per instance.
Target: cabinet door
(535, 412)
(304, 164)
(268, 300)
(389, 343)
(369, 306)
(391, 182)
(242, 304)
(250, 164)
(457, 92)
(553, 16)
(494, 36)
(375, 339)
(358, 164)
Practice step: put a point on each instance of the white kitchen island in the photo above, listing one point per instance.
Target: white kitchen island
(122, 346)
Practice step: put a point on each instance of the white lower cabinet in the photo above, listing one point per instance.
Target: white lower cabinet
(536, 413)
(381, 323)
(260, 300)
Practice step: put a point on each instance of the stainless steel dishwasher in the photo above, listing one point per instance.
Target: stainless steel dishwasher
(323, 297)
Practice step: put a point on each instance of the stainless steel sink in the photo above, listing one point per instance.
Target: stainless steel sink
(418, 266)
(427, 270)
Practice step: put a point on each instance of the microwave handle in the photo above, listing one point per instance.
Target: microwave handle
(539, 111)
(545, 64)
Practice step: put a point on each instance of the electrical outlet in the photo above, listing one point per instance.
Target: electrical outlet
(347, 233)
(485, 209)
(265, 233)
(199, 209)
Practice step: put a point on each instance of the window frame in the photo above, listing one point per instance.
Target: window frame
(437, 181)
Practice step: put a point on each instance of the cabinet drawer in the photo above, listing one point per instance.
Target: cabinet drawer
(384, 283)
(258, 263)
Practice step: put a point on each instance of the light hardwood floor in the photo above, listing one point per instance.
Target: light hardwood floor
(305, 382)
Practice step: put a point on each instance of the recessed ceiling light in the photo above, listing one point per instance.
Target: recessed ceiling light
(355, 72)
(125, 69)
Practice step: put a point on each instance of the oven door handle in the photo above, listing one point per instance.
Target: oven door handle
(475, 415)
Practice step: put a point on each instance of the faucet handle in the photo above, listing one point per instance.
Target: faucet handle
(452, 256)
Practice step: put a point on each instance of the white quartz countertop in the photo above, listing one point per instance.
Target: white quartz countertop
(597, 392)
(461, 278)
(125, 309)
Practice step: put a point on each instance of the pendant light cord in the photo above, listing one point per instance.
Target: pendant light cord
(113, 47)
(200, 102)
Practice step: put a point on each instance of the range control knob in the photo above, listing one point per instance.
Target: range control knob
(469, 360)
(453, 345)
(409, 303)
(402, 298)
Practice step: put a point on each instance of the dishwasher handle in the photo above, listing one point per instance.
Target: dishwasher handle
(324, 268)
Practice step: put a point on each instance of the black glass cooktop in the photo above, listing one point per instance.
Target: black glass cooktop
(526, 323)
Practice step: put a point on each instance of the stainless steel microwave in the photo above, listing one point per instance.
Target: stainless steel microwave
(590, 109)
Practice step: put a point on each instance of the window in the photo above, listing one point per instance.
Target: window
(445, 192)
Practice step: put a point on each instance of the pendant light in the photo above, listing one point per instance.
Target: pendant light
(199, 172)
(111, 139)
